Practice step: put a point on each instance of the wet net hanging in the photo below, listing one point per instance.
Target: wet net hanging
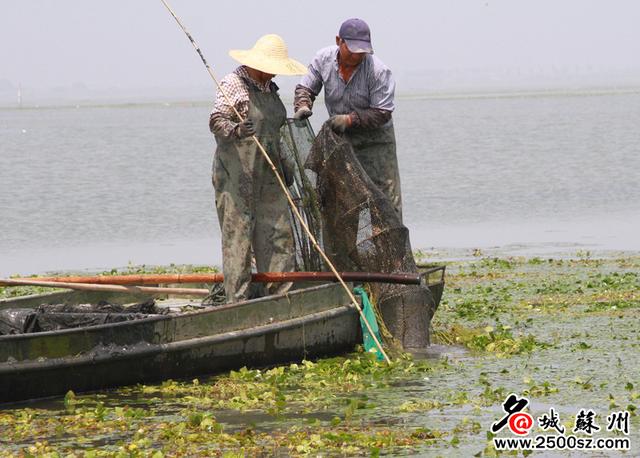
(359, 228)
(297, 139)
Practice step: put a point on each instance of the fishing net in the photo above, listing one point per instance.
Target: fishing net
(296, 140)
(55, 317)
(356, 225)
(361, 231)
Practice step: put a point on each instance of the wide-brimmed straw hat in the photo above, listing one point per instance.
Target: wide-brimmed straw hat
(269, 55)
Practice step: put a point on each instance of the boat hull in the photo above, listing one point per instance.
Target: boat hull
(302, 324)
(307, 323)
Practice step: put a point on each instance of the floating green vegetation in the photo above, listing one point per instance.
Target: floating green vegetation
(565, 333)
(296, 391)
(300, 388)
(499, 340)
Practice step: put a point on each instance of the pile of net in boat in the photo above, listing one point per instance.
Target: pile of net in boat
(53, 317)
(362, 232)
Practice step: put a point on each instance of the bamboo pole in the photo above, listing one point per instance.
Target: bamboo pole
(263, 277)
(284, 188)
(114, 288)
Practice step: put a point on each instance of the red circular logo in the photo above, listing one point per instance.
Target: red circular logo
(520, 423)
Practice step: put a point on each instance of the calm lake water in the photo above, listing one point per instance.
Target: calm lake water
(101, 187)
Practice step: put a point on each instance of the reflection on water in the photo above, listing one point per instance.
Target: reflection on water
(436, 351)
(99, 187)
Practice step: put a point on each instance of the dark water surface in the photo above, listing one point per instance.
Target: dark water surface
(98, 187)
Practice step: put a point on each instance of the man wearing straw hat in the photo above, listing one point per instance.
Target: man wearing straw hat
(252, 209)
(358, 92)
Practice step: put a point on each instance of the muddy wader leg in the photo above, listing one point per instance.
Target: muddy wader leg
(272, 236)
(236, 227)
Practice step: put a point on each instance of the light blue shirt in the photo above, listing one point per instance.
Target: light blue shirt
(371, 85)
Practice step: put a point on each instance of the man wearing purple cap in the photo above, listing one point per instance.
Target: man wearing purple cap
(358, 92)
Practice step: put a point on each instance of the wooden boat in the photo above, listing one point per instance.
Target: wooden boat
(304, 323)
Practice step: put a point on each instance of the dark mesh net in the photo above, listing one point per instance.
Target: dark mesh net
(297, 138)
(361, 231)
(63, 316)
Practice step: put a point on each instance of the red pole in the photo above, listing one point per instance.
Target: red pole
(262, 277)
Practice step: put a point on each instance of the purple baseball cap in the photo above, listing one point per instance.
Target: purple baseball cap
(355, 32)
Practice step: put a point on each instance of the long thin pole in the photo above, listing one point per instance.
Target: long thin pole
(283, 186)
(260, 277)
(115, 288)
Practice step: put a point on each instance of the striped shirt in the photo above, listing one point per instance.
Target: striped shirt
(371, 85)
(223, 119)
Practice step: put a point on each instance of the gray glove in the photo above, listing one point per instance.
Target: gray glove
(302, 113)
(245, 129)
(340, 123)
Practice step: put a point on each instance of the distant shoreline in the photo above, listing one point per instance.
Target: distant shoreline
(123, 102)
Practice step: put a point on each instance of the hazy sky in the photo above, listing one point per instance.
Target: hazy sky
(135, 43)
